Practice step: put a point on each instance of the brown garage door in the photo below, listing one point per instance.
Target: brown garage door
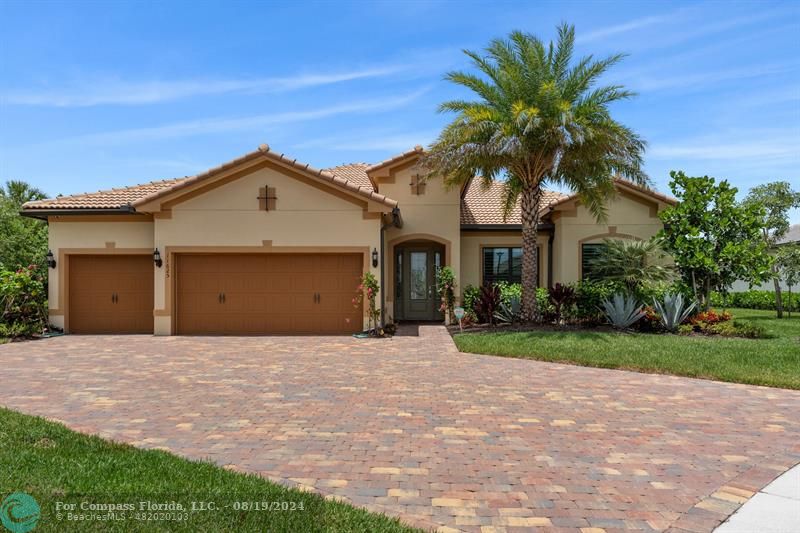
(110, 294)
(232, 294)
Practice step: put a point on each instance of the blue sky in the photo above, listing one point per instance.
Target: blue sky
(96, 95)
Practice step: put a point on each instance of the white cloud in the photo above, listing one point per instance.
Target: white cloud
(625, 27)
(773, 146)
(117, 92)
(699, 80)
(226, 124)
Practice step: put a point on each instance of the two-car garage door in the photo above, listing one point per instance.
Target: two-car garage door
(240, 294)
(218, 294)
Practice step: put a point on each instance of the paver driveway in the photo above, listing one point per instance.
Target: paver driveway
(411, 427)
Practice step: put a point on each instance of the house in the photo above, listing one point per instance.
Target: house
(792, 237)
(266, 244)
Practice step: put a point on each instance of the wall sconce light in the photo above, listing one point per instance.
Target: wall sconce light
(51, 261)
(157, 258)
(374, 257)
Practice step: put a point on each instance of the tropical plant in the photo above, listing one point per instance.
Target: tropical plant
(508, 311)
(562, 297)
(18, 192)
(24, 240)
(622, 310)
(634, 263)
(776, 199)
(23, 302)
(673, 310)
(445, 288)
(368, 289)
(487, 303)
(713, 240)
(590, 296)
(538, 118)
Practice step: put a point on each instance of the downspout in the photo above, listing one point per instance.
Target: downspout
(397, 222)
(550, 256)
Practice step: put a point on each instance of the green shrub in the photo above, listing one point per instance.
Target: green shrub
(685, 329)
(23, 302)
(735, 328)
(590, 296)
(756, 300)
(470, 297)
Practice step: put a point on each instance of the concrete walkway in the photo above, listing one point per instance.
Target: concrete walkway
(774, 509)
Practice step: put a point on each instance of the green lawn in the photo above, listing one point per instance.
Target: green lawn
(54, 464)
(774, 362)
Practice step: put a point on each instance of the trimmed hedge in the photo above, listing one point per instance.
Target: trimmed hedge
(757, 300)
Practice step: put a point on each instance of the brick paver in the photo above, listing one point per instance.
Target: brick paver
(411, 427)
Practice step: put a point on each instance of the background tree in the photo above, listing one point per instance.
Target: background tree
(537, 119)
(713, 240)
(633, 262)
(777, 199)
(788, 261)
(23, 241)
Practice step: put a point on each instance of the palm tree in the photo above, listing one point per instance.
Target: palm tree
(537, 119)
(18, 192)
(633, 262)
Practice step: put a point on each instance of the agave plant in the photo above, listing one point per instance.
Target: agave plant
(622, 311)
(673, 311)
(508, 312)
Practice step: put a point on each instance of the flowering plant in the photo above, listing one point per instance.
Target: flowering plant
(445, 287)
(368, 289)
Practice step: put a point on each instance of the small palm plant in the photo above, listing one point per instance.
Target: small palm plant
(622, 311)
(673, 311)
(633, 262)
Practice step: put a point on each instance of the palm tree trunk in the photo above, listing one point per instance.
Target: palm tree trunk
(531, 198)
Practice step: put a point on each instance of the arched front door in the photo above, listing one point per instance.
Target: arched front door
(416, 266)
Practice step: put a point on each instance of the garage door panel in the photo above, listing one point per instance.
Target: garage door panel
(93, 283)
(270, 293)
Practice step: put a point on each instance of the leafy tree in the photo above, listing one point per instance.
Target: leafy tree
(633, 262)
(777, 199)
(788, 261)
(19, 192)
(23, 241)
(713, 239)
(538, 118)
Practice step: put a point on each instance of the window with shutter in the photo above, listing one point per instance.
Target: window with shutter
(503, 264)
(590, 252)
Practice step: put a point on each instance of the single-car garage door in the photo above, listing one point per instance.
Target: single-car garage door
(110, 294)
(255, 294)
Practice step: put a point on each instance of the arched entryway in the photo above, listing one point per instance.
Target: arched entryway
(415, 262)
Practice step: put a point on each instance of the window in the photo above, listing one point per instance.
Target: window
(502, 264)
(590, 252)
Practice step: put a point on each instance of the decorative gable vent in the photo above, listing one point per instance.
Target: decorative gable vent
(267, 199)
(417, 185)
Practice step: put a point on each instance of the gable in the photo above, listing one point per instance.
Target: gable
(292, 193)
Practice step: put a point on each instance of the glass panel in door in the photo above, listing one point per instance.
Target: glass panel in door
(418, 269)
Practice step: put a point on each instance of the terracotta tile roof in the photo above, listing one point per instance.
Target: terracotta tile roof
(417, 150)
(485, 206)
(630, 185)
(110, 199)
(141, 194)
(353, 172)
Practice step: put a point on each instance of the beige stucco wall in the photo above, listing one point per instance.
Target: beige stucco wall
(626, 217)
(229, 216)
(471, 257)
(102, 236)
(436, 212)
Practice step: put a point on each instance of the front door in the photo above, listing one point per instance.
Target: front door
(420, 301)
